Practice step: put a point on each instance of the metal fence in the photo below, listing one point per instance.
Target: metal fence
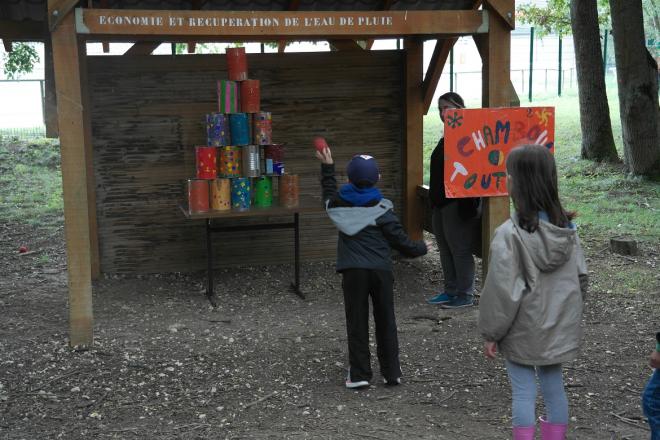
(22, 109)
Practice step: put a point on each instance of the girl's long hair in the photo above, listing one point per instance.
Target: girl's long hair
(533, 187)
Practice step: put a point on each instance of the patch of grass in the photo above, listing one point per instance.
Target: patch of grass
(31, 182)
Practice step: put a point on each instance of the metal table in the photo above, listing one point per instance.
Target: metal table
(306, 206)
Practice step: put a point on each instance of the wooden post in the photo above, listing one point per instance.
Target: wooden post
(496, 56)
(50, 105)
(73, 141)
(413, 214)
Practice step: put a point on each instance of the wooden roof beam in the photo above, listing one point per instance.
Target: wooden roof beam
(143, 48)
(57, 10)
(506, 9)
(346, 45)
(436, 65)
(26, 30)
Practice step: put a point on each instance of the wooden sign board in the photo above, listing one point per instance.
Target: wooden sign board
(321, 24)
(477, 142)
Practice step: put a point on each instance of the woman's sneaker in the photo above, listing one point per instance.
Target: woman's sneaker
(440, 298)
(459, 302)
(392, 382)
(357, 384)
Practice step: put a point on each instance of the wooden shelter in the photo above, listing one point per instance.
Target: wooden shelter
(127, 124)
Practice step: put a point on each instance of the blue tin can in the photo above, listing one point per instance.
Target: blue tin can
(240, 194)
(239, 128)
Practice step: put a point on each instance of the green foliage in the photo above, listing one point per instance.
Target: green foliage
(20, 60)
(556, 16)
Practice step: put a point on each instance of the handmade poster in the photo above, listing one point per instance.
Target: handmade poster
(477, 142)
(236, 63)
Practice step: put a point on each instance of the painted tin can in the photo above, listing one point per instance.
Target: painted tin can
(227, 96)
(236, 64)
(263, 128)
(240, 194)
(239, 128)
(288, 190)
(263, 191)
(250, 96)
(250, 160)
(220, 194)
(206, 162)
(198, 195)
(229, 161)
(217, 130)
(274, 155)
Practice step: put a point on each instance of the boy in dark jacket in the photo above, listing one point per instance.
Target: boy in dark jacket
(368, 229)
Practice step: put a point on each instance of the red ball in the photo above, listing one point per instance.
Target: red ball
(22, 249)
(320, 144)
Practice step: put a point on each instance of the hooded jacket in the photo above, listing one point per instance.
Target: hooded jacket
(366, 233)
(531, 303)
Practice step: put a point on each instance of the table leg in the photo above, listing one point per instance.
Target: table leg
(209, 260)
(296, 250)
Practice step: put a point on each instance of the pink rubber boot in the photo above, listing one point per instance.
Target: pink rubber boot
(523, 432)
(552, 431)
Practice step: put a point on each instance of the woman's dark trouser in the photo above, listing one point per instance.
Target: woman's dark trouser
(455, 237)
(358, 286)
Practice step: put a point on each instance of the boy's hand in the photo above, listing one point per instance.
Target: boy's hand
(490, 349)
(429, 245)
(325, 156)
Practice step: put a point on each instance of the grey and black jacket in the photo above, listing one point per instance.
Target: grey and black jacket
(366, 233)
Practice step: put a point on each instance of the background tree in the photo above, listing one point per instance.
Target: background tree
(582, 18)
(637, 75)
(597, 139)
(20, 60)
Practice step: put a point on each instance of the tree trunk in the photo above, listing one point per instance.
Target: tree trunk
(597, 138)
(637, 76)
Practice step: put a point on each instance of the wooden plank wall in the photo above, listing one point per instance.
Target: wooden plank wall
(148, 114)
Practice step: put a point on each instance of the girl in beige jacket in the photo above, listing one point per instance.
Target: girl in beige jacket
(531, 303)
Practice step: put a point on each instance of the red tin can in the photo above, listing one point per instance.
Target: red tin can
(198, 195)
(250, 96)
(236, 64)
(206, 162)
(288, 190)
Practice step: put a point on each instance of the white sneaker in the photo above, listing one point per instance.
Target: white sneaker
(358, 384)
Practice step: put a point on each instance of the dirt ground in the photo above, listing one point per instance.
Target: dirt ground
(267, 364)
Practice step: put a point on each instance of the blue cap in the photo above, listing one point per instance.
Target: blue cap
(362, 169)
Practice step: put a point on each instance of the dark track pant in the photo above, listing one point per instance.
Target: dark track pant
(358, 286)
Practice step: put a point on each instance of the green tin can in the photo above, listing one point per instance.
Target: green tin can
(263, 191)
